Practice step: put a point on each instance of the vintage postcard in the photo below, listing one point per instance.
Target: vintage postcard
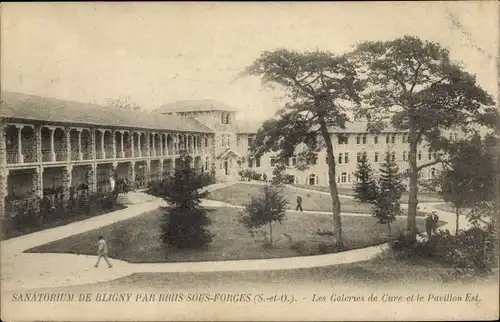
(244, 161)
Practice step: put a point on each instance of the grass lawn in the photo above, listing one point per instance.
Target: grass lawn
(68, 218)
(240, 193)
(422, 196)
(137, 239)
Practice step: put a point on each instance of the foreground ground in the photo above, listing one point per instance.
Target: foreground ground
(138, 239)
(240, 193)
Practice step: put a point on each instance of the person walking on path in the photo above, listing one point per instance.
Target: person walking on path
(299, 204)
(102, 252)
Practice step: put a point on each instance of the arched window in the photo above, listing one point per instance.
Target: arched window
(343, 177)
(433, 172)
(313, 179)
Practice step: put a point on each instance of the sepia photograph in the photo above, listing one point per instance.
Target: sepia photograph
(249, 161)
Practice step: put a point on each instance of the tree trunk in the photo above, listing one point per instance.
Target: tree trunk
(330, 159)
(411, 223)
(271, 232)
(389, 228)
(457, 212)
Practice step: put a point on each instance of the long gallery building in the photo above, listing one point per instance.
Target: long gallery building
(49, 147)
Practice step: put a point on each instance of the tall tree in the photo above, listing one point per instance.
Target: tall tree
(365, 189)
(414, 86)
(184, 220)
(469, 174)
(319, 87)
(388, 201)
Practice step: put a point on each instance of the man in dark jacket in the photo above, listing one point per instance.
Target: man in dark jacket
(299, 203)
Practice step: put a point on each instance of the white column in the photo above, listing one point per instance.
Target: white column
(132, 139)
(52, 151)
(80, 154)
(139, 143)
(103, 151)
(122, 152)
(114, 143)
(161, 145)
(154, 143)
(20, 156)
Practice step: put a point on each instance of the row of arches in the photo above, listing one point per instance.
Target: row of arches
(57, 141)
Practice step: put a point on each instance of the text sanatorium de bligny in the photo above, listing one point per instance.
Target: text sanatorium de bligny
(236, 297)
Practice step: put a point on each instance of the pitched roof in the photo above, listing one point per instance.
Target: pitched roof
(31, 107)
(195, 106)
(226, 152)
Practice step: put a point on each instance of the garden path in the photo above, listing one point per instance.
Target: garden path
(22, 271)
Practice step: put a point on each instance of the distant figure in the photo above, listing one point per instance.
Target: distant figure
(299, 203)
(264, 177)
(435, 220)
(112, 182)
(102, 252)
(431, 223)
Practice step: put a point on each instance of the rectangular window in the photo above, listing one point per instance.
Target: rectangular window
(273, 162)
(250, 140)
(342, 139)
(346, 157)
(358, 139)
(419, 156)
(393, 156)
(376, 156)
(206, 142)
(375, 139)
(257, 162)
(429, 156)
(404, 155)
(387, 139)
(294, 161)
(340, 158)
(363, 156)
(364, 139)
(393, 138)
(358, 157)
(250, 163)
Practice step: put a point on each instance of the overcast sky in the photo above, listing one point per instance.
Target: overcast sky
(157, 53)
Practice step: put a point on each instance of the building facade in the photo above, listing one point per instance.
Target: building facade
(51, 148)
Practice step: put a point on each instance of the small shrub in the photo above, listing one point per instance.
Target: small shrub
(470, 252)
(325, 232)
(322, 248)
(268, 207)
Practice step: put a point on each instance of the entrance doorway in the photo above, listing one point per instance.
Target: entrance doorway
(226, 167)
